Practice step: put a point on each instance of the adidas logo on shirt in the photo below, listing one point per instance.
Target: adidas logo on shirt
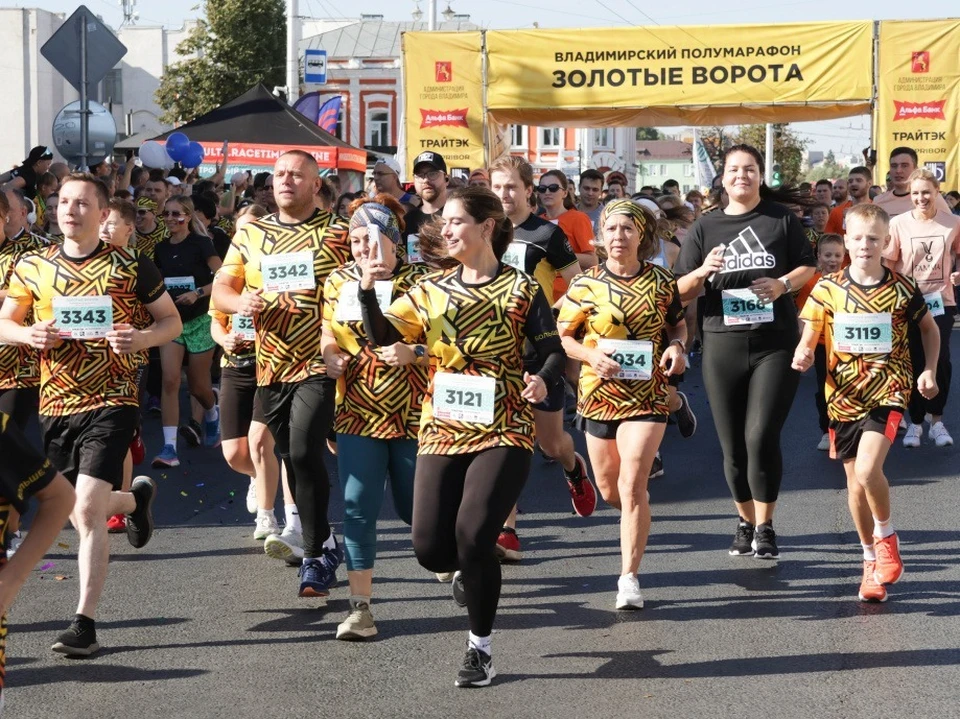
(746, 252)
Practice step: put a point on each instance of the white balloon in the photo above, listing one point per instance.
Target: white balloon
(153, 154)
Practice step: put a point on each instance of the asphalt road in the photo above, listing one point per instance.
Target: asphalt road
(201, 624)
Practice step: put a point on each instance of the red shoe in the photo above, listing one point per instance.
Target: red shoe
(137, 449)
(889, 564)
(117, 524)
(870, 591)
(582, 493)
(508, 546)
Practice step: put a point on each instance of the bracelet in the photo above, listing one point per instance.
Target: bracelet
(683, 345)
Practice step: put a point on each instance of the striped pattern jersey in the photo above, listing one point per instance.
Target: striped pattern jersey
(858, 383)
(19, 364)
(288, 329)
(147, 243)
(373, 398)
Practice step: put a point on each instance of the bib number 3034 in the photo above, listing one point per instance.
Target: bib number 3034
(463, 398)
(83, 318)
(743, 307)
(288, 271)
(868, 333)
(635, 357)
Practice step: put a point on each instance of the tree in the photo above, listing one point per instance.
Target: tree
(236, 45)
(826, 170)
(715, 141)
(649, 133)
(787, 148)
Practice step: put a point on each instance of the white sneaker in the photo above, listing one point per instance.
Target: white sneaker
(358, 624)
(266, 525)
(252, 505)
(824, 444)
(13, 543)
(913, 435)
(628, 592)
(286, 546)
(940, 435)
(445, 577)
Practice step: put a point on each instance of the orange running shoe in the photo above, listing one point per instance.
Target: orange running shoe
(508, 546)
(870, 591)
(889, 564)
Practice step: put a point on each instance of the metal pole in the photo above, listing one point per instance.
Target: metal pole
(768, 174)
(431, 15)
(293, 51)
(84, 100)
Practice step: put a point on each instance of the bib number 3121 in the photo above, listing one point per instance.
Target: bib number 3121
(463, 398)
(288, 271)
(83, 318)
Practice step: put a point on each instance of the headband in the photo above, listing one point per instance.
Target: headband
(626, 207)
(373, 213)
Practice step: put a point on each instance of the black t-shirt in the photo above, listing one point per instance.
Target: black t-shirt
(187, 259)
(540, 249)
(29, 176)
(415, 219)
(768, 241)
(220, 239)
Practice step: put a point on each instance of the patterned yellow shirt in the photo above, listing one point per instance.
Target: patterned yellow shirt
(19, 364)
(147, 243)
(245, 355)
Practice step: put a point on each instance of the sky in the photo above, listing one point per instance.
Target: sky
(844, 136)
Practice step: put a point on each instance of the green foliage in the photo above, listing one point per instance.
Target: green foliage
(649, 133)
(788, 148)
(826, 170)
(238, 44)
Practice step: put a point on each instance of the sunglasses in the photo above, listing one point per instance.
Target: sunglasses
(144, 212)
(543, 189)
(172, 214)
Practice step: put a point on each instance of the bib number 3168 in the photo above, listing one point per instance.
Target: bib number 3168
(463, 398)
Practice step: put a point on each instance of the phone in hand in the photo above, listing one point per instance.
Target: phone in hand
(375, 240)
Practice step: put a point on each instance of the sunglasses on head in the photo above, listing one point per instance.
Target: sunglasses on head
(542, 189)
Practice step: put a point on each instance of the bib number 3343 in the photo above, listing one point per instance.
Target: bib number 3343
(288, 271)
(463, 398)
(83, 318)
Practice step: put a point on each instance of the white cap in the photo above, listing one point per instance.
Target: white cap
(175, 181)
(650, 205)
(391, 163)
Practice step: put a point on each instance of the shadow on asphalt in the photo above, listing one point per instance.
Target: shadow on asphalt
(97, 673)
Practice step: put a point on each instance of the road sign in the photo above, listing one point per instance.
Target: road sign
(63, 49)
(67, 135)
(315, 67)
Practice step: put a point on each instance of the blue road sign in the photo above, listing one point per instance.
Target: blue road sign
(315, 67)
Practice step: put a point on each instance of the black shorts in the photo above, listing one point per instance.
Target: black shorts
(607, 429)
(20, 403)
(555, 400)
(23, 471)
(845, 436)
(93, 443)
(239, 403)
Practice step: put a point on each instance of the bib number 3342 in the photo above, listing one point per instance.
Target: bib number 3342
(288, 271)
(463, 398)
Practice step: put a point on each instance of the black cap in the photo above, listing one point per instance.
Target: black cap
(40, 152)
(430, 158)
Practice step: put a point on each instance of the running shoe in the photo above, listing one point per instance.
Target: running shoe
(765, 543)
(508, 545)
(902, 427)
(252, 497)
(266, 527)
(153, 405)
(80, 640)
(359, 623)
(192, 433)
(686, 419)
(117, 524)
(477, 669)
(824, 444)
(743, 540)
(870, 590)
(444, 577)
(286, 546)
(140, 520)
(940, 435)
(656, 470)
(889, 564)
(628, 592)
(458, 590)
(583, 495)
(211, 433)
(319, 575)
(912, 437)
(13, 543)
(166, 458)
(138, 451)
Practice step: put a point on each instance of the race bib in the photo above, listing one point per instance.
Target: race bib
(243, 326)
(413, 249)
(863, 333)
(516, 256)
(743, 307)
(635, 357)
(934, 303)
(463, 398)
(83, 318)
(180, 284)
(348, 304)
(288, 271)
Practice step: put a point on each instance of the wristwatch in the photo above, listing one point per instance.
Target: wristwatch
(199, 291)
(419, 351)
(787, 284)
(683, 345)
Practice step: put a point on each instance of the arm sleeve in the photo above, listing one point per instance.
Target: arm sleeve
(206, 247)
(675, 311)
(691, 252)
(835, 221)
(582, 240)
(813, 309)
(401, 323)
(892, 251)
(559, 252)
(572, 315)
(541, 330)
(799, 251)
(17, 289)
(233, 263)
(916, 307)
(150, 286)
(331, 294)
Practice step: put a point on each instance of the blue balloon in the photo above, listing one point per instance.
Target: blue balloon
(177, 144)
(193, 156)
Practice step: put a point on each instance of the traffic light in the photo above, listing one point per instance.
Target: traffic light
(777, 179)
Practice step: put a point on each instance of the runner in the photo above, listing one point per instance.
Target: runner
(188, 261)
(476, 431)
(746, 259)
(924, 245)
(576, 225)
(865, 312)
(430, 181)
(88, 393)
(591, 185)
(623, 307)
(897, 200)
(858, 187)
(379, 397)
(540, 249)
(274, 272)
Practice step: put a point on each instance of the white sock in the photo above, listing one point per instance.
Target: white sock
(170, 436)
(882, 529)
(266, 513)
(211, 414)
(481, 643)
(356, 599)
(330, 543)
(869, 553)
(292, 517)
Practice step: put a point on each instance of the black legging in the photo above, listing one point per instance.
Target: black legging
(299, 415)
(460, 503)
(918, 405)
(750, 386)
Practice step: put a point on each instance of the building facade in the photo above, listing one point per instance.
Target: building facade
(662, 160)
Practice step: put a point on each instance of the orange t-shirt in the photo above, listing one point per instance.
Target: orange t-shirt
(804, 292)
(837, 224)
(577, 227)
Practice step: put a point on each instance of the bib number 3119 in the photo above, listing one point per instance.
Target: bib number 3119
(867, 333)
(463, 398)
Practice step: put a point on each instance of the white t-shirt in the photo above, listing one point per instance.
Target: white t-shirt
(926, 250)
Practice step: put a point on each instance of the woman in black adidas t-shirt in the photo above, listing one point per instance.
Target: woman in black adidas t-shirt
(743, 262)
